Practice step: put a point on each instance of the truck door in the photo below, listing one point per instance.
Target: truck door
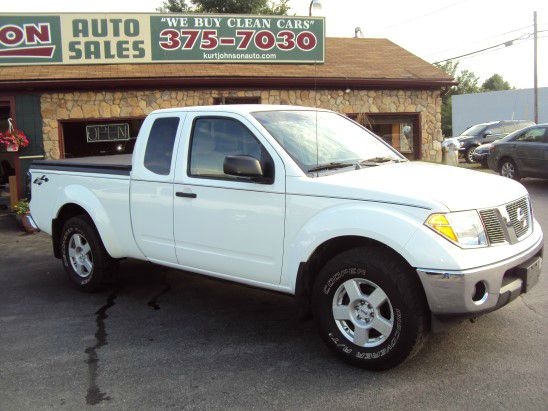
(151, 196)
(225, 225)
(530, 150)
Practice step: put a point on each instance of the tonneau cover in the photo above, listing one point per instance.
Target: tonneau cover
(118, 164)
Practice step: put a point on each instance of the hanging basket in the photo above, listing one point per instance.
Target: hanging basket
(13, 139)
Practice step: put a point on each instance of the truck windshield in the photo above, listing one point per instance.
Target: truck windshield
(323, 140)
(474, 130)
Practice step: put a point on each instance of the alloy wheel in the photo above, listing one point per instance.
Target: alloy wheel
(508, 170)
(80, 256)
(363, 312)
(471, 155)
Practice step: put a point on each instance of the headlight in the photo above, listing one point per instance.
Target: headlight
(463, 228)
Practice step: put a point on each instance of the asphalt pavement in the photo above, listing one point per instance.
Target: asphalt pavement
(159, 339)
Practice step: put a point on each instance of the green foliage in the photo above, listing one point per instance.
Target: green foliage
(468, 83)
(495, 83)
(280, 7)
(21, 207)
(174, 6)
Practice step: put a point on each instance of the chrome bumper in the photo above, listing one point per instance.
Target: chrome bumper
(454, 293)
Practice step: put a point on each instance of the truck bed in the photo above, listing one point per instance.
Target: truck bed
(117, 164)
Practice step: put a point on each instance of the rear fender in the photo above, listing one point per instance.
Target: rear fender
(85, 198)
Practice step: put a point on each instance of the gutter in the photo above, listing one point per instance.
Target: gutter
(208, 82)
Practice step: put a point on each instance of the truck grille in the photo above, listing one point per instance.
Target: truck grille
(493, 227)
(520, 218)
(508, 223)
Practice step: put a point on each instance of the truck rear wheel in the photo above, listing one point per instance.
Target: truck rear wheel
(84, 257)
(369, 309)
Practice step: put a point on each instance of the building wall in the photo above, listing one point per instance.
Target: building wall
(470, 109)
(112, 104)
(28, 119)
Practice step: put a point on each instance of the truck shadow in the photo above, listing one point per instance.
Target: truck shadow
(222, 323)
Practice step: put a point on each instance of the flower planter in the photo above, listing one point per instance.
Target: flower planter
(25, 223)
(12, 139)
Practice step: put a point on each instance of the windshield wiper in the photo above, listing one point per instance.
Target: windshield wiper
(330, 166)
(375, 161)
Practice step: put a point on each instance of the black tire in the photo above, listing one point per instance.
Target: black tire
(103, 265)
(468, 154)
(405, 296)
(509, 164)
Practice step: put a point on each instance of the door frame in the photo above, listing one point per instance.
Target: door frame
(61, 122)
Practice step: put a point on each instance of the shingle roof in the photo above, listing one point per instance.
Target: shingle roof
(348, 59)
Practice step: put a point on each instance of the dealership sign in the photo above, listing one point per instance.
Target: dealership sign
(159, 38)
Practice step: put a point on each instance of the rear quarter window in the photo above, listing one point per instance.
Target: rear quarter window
(159, 150)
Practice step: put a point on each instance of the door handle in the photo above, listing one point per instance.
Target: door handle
(188, 195)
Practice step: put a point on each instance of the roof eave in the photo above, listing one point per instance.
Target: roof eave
(200, 82)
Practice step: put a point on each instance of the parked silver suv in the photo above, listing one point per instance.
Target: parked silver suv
(485, 133)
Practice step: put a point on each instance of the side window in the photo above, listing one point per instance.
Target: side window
(511, 127)
(496, 130)
(160, 142)
(215, 138)
(534, 135)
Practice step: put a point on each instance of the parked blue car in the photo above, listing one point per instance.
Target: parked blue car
(521, 154)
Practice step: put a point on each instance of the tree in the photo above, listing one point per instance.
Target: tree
(279, 7)
(174, 6)
(467, 83)
(495, 83)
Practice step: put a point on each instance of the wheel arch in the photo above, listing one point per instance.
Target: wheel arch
(66, 212)
(309, 270)
(504, 158)
(78, 200)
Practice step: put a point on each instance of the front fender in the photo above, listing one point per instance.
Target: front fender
(387, 224)
(85, 198)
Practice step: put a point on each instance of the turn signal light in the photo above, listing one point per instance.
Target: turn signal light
(440, 223)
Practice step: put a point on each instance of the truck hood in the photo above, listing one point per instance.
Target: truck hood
(426, 185)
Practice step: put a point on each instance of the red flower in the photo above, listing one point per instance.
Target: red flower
(13, 139)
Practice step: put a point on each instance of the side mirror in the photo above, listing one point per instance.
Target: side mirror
(487, 134)
(242, 166)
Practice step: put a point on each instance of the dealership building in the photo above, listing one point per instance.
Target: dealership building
(76, 110)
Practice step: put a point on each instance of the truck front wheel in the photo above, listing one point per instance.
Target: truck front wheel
(369, 308)
(84, 257)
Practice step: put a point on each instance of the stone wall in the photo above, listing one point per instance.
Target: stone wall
(107, 104)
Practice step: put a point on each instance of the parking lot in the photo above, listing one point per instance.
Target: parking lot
(160, 338)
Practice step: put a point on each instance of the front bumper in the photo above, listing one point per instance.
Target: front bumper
(480, 157)
(455, 293)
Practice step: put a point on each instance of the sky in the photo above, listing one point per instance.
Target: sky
(432, 29)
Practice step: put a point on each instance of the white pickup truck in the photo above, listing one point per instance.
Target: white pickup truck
(305, 202)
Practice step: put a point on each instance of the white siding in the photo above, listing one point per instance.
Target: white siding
(470, 109)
